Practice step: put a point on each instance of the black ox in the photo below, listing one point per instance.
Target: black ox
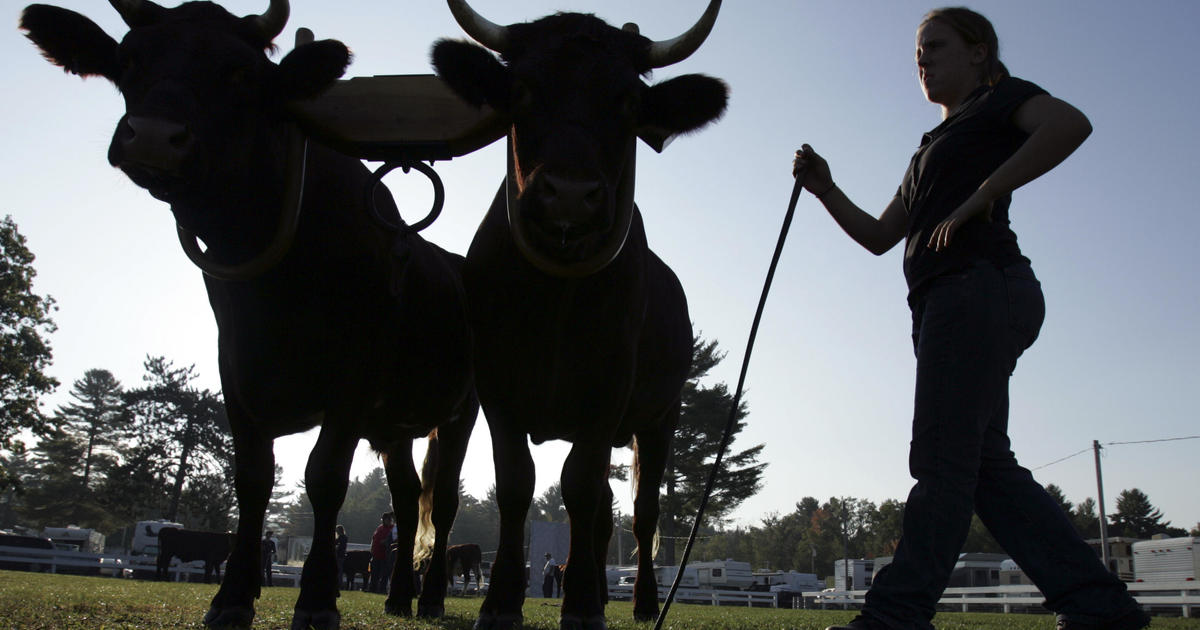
(582, 333)
(356, 564)
(325, 317)
(189, 546)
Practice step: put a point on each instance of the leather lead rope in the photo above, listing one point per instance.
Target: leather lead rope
(737, 397)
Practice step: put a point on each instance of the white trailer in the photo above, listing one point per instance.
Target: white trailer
(1166, 559)
(145, 537)
(79, 538)
(727, 574)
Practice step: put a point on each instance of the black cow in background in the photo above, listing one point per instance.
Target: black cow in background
(325, 317)
(582, 333)
(189, 546)
(356, 563)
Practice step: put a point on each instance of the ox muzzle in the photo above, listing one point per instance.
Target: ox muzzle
(571, 227)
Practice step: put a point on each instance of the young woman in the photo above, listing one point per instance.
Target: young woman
(976, 306)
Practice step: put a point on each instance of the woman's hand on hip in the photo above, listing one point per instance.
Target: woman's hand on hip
(944, 232)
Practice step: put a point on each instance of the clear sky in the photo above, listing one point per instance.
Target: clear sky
(1111, 232)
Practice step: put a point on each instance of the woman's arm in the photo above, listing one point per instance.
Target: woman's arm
(1055, 130)
(876, 235)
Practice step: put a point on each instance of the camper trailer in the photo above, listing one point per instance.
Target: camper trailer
(723, 574)
(1166, 559)
(75, 538)
(145, 537)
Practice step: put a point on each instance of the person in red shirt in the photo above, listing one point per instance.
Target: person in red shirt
(381, 542)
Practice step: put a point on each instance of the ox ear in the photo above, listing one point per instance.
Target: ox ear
(72, 41)
(472, 72)
(684, 104)
(311, 68)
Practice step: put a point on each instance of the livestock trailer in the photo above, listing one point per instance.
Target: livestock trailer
(1166, 559)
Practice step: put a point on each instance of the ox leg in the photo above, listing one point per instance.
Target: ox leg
(254, 474)
(602, 535)
(451, 449)
(325, 479)
(405, 486)
(651, 449)
(586, 495)
(501, 608)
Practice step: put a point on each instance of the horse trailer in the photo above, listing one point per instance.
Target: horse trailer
(1166, 559)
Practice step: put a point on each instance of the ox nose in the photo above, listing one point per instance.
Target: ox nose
(570, 203)
(155, 142)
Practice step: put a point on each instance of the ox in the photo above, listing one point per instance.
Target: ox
(355, 564)
(582, 333)
(325, 317)
(465, 558)
(190, 545)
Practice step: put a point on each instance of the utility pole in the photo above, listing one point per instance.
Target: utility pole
(1100, 497)
(845, 545)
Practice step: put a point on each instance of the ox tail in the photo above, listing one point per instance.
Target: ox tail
(423, 544)
(635, 472)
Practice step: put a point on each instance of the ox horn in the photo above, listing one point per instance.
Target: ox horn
(135, 12)
(480, 29)
(272, 22)
(666, 52)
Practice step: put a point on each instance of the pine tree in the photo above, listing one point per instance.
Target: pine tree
(1085, 519)
(97, 418)
(1135, 516)
(703, 417)
(186, 426)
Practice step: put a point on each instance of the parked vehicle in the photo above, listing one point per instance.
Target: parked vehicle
(27, 542)
(78, 538)
(145, 537)
(1166, 559)
(726, 574)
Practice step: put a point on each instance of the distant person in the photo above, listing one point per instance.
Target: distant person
(976, 306)
(548, 576)
(340, 542)
(381, 566)
(268, 557)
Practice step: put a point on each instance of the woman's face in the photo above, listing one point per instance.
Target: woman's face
(947, 66)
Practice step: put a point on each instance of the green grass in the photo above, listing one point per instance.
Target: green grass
(62, 602)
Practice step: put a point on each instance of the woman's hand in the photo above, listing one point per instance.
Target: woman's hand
(973, 207)
(817, 178)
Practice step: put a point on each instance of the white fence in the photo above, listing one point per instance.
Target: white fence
(713, 597)
(1165, 596)
(114, 565)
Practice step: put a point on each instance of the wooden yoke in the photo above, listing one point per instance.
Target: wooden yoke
(397, 118)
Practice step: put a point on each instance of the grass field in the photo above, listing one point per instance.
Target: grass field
(61, 602)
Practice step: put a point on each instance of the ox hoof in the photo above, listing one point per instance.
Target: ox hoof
(229, 617)
(642, 615)
(431, 611)
(398, 608)
(575, 622)
(504, 621)
(320, 620)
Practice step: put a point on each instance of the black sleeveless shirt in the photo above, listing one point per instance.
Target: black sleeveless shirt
(951, 163)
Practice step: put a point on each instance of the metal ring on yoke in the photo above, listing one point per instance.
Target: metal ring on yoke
(439, 195)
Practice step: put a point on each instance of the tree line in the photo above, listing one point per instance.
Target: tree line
(115, 455)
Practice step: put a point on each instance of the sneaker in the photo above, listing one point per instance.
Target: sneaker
(1131, 620)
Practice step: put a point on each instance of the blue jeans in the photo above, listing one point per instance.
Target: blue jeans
(969, 328)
